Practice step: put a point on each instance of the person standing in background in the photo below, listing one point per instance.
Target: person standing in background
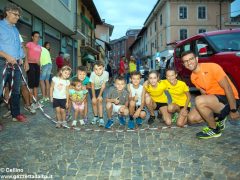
(59, 60)
(46, 68)
(33, 59)
(122, 67)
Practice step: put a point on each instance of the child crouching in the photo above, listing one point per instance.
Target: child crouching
(117, 102)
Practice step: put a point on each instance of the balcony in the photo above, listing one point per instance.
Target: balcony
(85, 27)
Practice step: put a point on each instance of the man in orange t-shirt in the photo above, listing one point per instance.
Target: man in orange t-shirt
(219, 96)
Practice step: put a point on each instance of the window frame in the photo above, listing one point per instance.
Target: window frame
(179, 11)
(202, 6)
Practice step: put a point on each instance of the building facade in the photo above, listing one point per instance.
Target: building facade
(42, 16)
(175, 20)
(120, 47)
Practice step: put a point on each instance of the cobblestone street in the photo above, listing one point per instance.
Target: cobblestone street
(37, 147)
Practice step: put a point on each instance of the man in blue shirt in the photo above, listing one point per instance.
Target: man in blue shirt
(11, 53)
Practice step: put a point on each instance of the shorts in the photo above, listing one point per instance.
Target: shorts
(45, 72)
(33, 75)
(97, 92)
(116, 108)
(59, 103)
(159, 105)
(226, 110)
(78, 106)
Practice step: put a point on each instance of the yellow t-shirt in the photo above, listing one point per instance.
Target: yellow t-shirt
(157, 94)
(132, 67)
(177, 92)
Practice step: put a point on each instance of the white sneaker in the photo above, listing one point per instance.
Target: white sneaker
(74, 123)
(64, 124)
(7, 114)
(101, 123)
(30, 109)
(94, 121)
(82, 122)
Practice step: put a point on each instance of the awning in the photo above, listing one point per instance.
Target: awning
(89, 58)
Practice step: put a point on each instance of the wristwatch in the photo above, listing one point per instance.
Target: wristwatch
(233, 110)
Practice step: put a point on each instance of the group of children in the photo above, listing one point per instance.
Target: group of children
(124, 100)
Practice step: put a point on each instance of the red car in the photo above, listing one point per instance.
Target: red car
(221, 47)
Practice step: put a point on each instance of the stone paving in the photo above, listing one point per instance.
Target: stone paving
(37, 147)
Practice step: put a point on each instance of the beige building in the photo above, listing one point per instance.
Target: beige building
(174, 20)
(103, 33)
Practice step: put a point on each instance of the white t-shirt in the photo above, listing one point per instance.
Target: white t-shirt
(60, 87)
(137, 92)
(99, 80)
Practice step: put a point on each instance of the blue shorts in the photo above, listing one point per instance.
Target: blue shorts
(45, 72)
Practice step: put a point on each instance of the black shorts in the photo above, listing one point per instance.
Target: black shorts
(33, 75)
(225, 111)
(59, 103)
(159, 105)
(97, 92)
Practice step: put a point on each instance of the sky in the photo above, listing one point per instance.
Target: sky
(131, 14)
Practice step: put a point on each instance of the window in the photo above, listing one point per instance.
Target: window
(201, 12)
(202, 30)
(182, 12)
(160, 19)
(183, 34)
(150, 30)
(155, 26)
(181, 49)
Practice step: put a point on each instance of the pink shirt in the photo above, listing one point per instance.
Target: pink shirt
(34, 52)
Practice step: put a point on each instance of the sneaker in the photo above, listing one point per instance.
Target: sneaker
(30, 109)
(74, 123)
(95, 120)
(19, 118)
(122, 121)
(109, 124)
(7, 114)
(42, 100)
(131, 124)
(208, 133)
(175, 117)
(86, 120)
(101, 122)
(46, 99)
(221, 124)
(151, 120)
(58, 124)
(82, 122)
(139, 121)
(64, 124)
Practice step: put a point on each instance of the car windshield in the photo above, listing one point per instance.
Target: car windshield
(226, 42)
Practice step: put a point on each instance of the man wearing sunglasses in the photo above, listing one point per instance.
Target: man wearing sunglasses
(218, 98)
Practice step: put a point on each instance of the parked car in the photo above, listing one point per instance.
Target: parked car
(221, 47)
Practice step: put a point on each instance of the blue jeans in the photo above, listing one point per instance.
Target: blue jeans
(15, 97)
(46, 72)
